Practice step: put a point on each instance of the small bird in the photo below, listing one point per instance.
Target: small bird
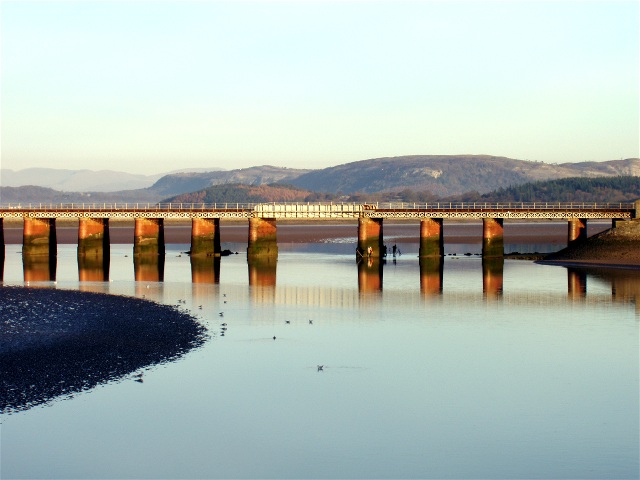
(221, 314)
(321, 368)
(287, 321)
(310, 322)
(274, 337)
(200, 307)
(223, 324)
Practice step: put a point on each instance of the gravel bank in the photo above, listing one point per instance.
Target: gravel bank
(619, 247)
(57, 342)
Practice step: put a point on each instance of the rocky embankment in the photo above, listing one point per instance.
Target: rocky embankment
(619, 246)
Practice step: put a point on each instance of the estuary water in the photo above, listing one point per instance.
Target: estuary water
(317, 367)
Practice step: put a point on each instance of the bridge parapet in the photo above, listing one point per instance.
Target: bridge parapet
(470, 210)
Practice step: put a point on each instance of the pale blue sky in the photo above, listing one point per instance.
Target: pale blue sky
(148, 87)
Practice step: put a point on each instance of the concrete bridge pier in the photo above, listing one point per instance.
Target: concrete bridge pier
(262, 237)
(431, 275)
(2, 239)
(492, 237)
(39, 237)
(431, 238)
(577, 232)
(205, 237)
(148, 239)
(370, 235)
(93, 246)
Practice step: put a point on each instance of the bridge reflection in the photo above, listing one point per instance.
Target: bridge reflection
(262, 278)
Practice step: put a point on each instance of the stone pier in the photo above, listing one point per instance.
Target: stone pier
(148, 237)
(93, 238)
(492, 237)
(370, 235)
(1, 240)
(262, 237)
(431, 239)
(205, 237)
(577, 232)
(39, 237)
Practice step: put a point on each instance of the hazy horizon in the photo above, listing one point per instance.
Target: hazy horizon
(145, 86)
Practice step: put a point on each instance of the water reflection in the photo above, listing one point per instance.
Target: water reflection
(431, 274)
(205, 269)
(39, 268)
(262, 271)
(624, 284)
(576, 283)
(262, 277)
(369, 274)
(492, 277)
(93, 269)
(61, 342)
(148, 268)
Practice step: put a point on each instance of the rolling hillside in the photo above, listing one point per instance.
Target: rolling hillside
(423, 176)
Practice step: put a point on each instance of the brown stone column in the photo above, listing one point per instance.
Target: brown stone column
(577, 232)
(39, 237)
(431, 239)
(431, 274)
(370, 236)
(492, 237)
(148, 237)
(262, 237)
(205, 237)
(492, 277)
(93, 237)
(1, 241)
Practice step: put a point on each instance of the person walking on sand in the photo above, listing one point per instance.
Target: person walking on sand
(370, 250)
(393, 249)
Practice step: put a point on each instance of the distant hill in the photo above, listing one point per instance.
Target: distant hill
(424, 177)
(448, 175)
(237, 193)
(82, 180)
(623, 189)
(178, 183)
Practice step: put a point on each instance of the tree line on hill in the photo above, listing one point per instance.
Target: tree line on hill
(575, 189)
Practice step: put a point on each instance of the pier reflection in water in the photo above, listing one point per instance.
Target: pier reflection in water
(262, 274)
(466, 372)
(93, 269)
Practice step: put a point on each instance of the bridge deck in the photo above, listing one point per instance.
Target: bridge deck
(539, 210)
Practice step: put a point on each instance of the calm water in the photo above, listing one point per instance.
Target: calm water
(468, 370)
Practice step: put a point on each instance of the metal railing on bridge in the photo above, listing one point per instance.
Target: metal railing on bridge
(316, 206)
